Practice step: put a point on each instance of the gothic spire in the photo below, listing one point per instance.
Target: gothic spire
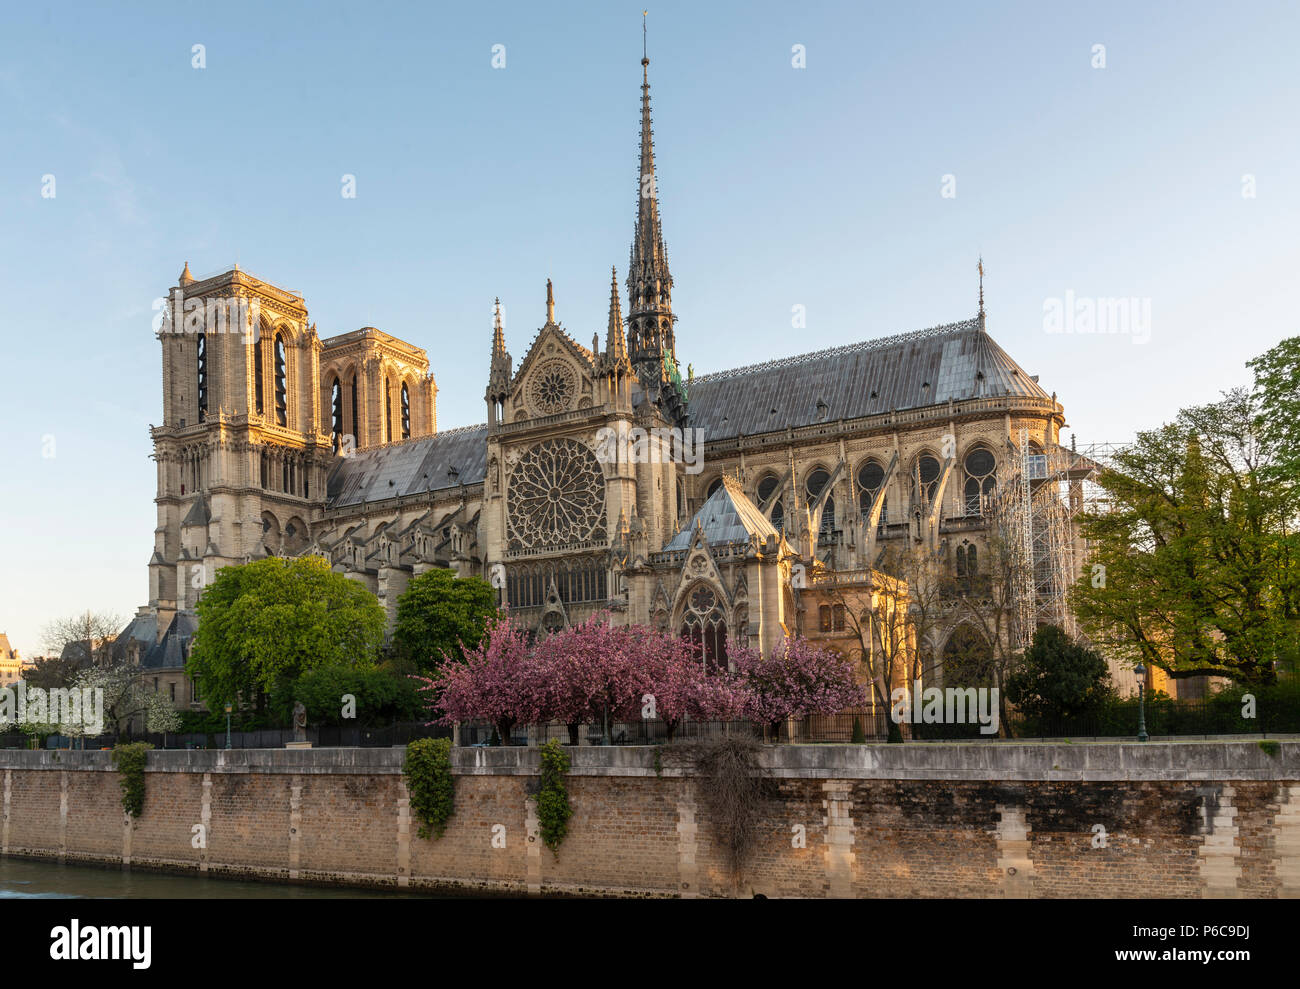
(498, 333)
(651, 340)
(499, 372)
(615, 343)
(550, 303)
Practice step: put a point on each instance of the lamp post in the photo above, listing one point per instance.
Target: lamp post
(1141, 671)
(227, 726)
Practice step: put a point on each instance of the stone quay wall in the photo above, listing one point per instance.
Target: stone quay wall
(1184, 819)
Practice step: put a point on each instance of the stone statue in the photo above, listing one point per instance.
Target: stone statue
(299, 722)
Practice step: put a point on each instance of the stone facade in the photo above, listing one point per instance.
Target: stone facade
(603, 478)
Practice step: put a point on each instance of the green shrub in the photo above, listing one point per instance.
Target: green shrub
(430, 784)
(129, 758)
(1270, 747)
(553, 810)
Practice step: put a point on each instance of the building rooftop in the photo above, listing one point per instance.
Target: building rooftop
(957, 361)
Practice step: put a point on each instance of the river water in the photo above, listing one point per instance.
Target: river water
(37, 879)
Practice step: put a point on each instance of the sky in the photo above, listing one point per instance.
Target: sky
(862, 186)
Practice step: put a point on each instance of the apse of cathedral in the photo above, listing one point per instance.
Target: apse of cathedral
(725, 505)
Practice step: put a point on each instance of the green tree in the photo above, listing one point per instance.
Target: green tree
(272, 620)
(378, 697)
(437, 613)
(1058, 678)
(1193, 557)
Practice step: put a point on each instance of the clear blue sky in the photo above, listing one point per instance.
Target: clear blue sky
(817, 187)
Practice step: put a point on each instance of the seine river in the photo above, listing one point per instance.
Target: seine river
(35, 879)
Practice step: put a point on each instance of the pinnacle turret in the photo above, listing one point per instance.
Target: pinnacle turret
(500, 371)
(615, 342)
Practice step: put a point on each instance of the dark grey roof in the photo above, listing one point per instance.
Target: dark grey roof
(413, 466)
(199, 513)
(927, 367)
(727, 516)
(169, 653)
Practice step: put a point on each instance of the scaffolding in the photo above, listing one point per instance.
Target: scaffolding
(1036, 511)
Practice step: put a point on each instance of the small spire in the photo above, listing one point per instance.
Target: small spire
(186, 277)
(550, 302)
(981, 271)
(615, 344)
(498, 332)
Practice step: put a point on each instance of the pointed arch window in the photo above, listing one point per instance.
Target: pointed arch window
(766, 489)
(981, 480)
(871, 478)
(925, 480)
(816, 482)
(388, 410)
(336, 413)
(281, 382)
(406, 412)
(356, 428)
(203, 376)
(704, 625)
(259, 404)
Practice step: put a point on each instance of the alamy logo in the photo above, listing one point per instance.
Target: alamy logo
(1083, 314)
(241, 315)
(635, 445)
(949, 706)
(92, 943)
(78, 709)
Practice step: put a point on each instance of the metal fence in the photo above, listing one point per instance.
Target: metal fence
(1164, 718)
(275, 738)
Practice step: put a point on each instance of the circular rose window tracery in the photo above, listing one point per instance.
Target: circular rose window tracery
(557, 496)
(553, 388)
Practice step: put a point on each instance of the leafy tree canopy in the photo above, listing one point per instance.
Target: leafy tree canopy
(1058, 678)
(273, 620)
(438, 613)
(378, 697)
(1195, 566)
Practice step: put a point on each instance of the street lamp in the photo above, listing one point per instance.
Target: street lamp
(1141, 671)
(227, 726)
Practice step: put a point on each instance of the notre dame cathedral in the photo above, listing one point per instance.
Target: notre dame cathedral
(276, 441)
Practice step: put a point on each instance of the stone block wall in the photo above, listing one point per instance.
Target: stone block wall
(915, 820)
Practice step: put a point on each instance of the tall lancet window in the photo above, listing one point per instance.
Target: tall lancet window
(388, 410)
(203, 376)
(259, 403)
(406, 413)
(336, 414)
(281, 382)
(356, 426)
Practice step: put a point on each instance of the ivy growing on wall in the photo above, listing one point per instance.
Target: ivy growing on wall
(129, 758)
(430, 784)
(553, 810)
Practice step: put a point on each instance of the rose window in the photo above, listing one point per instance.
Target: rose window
(557, 497)
(554, 386)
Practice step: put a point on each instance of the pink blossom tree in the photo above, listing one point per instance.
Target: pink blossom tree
(796, 679)
(682, 685)
(500, 681)
(591, 673)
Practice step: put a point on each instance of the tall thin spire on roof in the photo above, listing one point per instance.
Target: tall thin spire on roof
(500, 369)
(981, 271)
(615, 344)
(550, 302)
(498, 333)
(650, 337)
